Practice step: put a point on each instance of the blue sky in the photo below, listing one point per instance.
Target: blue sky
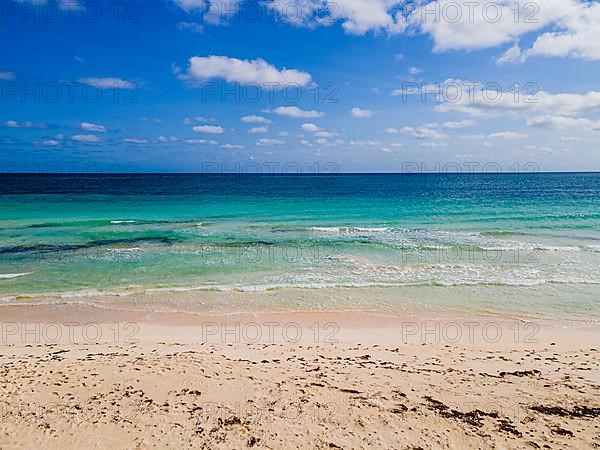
(371, 85)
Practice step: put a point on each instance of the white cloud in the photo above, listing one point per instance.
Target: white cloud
(269, 142)
(318, 132)
(135, 140)
(359, 113)
(415, 70)
(244, 71)
(255, 119)
(403, 92)
(428, 131)
(459, 124)
(232, 146)
(367, 143)
(87, 126)
(151, 120)
(433, 144)
(213, 10)
(450, 89)
(7, 76)
(511, 55)
(191, 5)
(391, 130)
(108, 83)
(201, 141)
(326, 134)
(507, 135)
(310, 127)
(192, 120)
(165, 139)
(561, 122)
(51, 143)
(256, 130)
(209, 129)
(86, 138)
(546, 150)
(26, 124)
(190, 26)
(294, 111)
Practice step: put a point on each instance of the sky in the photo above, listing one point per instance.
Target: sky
(304, 86)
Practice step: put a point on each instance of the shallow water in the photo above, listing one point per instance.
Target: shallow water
(83, 234)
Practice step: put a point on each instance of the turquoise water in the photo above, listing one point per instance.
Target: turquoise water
(80, 235)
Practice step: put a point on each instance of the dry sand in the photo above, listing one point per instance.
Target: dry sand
(78, 377)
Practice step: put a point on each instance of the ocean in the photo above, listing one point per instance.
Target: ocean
(530, 240)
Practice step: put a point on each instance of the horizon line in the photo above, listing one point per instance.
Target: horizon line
(305, 174)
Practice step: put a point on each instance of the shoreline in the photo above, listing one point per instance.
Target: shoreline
(514, 302)
(62, 323)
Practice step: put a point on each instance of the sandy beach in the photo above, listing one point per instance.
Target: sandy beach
(76, 376)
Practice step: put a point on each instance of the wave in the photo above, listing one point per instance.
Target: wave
(93, 223)
(81, 295)
(10, 276)
(350, 229)
(435, 239)
(119, 222)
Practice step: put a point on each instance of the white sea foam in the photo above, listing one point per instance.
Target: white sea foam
(124, 292)
(10, 276)
(432, 239)
(350, 229)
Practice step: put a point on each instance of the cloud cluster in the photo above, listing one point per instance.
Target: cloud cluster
(357, 16)
(541, 109)
(428, 131)
(465, 25)
(26, 124)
